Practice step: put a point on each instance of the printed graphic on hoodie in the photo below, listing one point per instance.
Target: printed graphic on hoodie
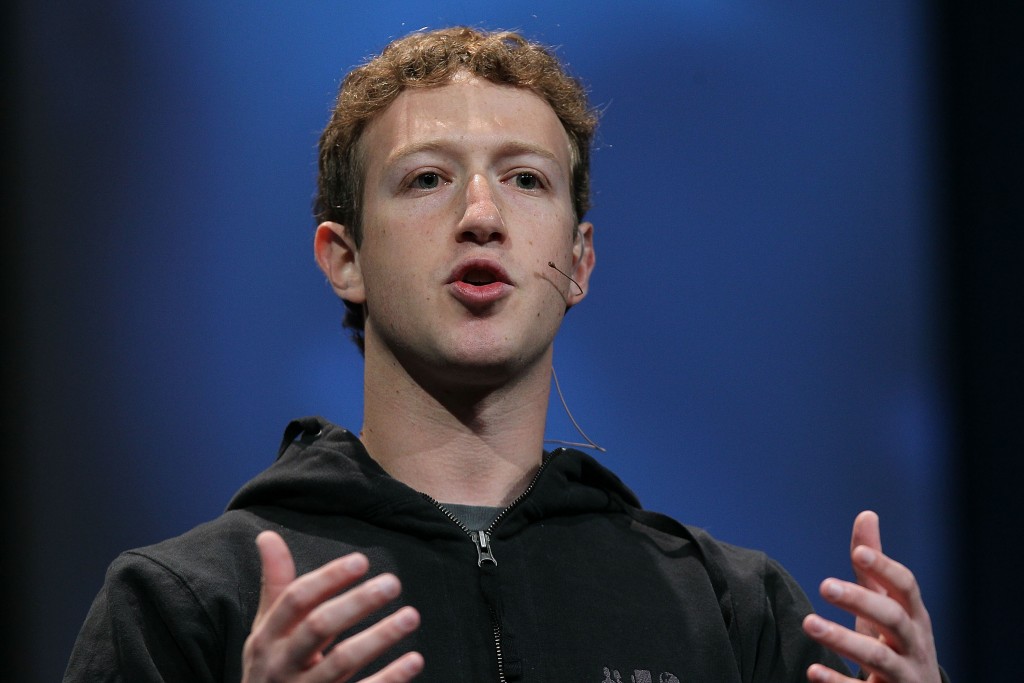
(638, 676)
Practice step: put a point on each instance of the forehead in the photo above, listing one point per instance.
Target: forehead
(467, 115)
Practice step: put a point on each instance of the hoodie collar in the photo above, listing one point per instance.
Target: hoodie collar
(324, 469)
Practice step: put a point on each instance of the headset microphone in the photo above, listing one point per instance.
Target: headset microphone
(550, 263)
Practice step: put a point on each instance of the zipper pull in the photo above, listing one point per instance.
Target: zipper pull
(482, 539)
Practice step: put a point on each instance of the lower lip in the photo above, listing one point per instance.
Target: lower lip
(478, 295)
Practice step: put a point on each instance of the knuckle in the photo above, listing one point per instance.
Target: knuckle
(883, 612)
(393, 629)
(878, 657)
(902, 626)
(319, 624)
(900, 621)
(255, 646)
(906, 582)
(341, 660)
(902, 578)
(294, 598)
(260, 660)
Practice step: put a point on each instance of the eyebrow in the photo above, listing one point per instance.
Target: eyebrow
(506, 148)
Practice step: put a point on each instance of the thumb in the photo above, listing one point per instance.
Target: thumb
(278, 569)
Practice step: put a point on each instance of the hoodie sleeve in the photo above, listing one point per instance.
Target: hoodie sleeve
(784, 650)
(145, 625)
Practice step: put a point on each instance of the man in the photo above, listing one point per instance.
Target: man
(453, 182)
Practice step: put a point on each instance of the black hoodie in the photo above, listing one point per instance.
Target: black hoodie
(584, 586)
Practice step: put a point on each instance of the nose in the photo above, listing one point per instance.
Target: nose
(481, 221)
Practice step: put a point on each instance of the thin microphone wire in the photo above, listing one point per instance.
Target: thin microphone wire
(552, 264)
(590, 443)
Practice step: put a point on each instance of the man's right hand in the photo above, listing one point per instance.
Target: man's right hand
(298, 618)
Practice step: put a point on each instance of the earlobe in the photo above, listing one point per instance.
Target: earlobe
(582, 261)
(337, 256)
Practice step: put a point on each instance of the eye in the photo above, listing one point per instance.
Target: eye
(426, 181)
(527, 181)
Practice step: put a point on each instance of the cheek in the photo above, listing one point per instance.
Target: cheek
(540, 223)
(408, 222)
(399, 263)
(552, 241)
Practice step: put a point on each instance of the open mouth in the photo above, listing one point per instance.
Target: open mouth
(479, 278)
(480, 272)
(480, 282)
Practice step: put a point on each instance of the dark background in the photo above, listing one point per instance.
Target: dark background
(807, 302)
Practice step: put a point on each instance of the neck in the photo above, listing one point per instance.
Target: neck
(475, 446)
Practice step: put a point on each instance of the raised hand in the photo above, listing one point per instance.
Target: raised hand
(892, 640)
(298, 618)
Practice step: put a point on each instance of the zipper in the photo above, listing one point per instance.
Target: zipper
(521, 496)
(482, 540)
(496, 630)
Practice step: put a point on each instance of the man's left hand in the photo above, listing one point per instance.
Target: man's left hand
(892, 640)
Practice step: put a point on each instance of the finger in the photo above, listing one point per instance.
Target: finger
(403, 669)
(278, 569)
(819, 673)
(352, 654)
(866, 532)
(901, 617)
(887, 616)
(870, 653)
(896, 580)
(339, 614)
(309, 590)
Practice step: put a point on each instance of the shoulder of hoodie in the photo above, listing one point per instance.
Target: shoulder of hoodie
(727, 555)
(215, 553)
(732, 563)
(738, 574)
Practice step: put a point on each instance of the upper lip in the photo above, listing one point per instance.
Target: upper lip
(484, 267)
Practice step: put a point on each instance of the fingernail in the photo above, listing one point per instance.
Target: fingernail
(833, 589)
(407, 619)
(388, 586)
(353, 563)
(866, 557)
(816, 626)
(413, 665)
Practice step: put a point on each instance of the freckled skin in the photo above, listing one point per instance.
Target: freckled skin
(475, 137)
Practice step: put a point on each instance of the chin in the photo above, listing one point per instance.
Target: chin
(479, 356)
(483, 364)
(480, 362)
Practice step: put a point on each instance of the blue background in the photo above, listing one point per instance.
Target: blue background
(760, 352)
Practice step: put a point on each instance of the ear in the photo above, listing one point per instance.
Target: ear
(583, 260)
(337, 256)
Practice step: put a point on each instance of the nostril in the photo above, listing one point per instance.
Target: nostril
(482, 235)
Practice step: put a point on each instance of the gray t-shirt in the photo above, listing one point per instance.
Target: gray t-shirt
(475, 517)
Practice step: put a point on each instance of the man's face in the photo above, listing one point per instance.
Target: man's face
(467, 198)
